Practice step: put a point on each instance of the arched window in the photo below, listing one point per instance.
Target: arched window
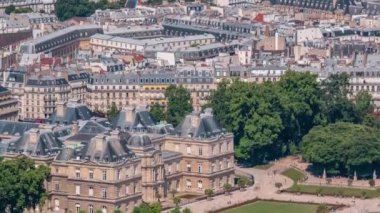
(77, 207)
(56, 204)
(91, 208)
(104, 209)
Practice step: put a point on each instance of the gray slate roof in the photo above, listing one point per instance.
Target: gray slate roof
(141, 119)
(15, 128)
(73, 112)
(45, 145)
(206, 127)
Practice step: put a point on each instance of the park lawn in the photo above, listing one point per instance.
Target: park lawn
(326, 190)
(273, 207)
(263, 166)
(293, 174)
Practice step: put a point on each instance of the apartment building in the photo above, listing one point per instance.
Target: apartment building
(222, 29)
(8, 105)
(130, 89)
(64, 42)
(36, 5)
(147, 87)
(78, 84)
(41, 95)
(100, 42)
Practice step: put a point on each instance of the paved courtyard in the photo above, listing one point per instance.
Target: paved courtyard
(264, 188)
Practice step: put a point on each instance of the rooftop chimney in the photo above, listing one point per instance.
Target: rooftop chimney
(60, 109)
(75, 127)
(33, 135)
(100, 141)
(194, 119)
(129, 113)
(115, 134)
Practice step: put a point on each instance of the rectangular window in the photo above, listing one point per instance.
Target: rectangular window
(188, 166)
(176, 148)
(91, 191)
(199, 168)
(200, 151)
(104, 175)
(77, 173)
(91, 174)
(118, 174)
(127, 190)
(77, 190)
(56, 186)
(104, 193)
(188, 149)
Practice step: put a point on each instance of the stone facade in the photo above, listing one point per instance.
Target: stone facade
(8, 105)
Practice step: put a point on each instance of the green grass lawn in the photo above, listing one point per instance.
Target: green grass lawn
(263, 166)
(326, 190)
(273, 207)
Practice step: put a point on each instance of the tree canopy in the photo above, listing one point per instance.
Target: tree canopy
(22, 184)
(112, 111)
(178, 104)
(66, 9)
(342, 148)
(148, 208)
(270, 119)
(158, 112)
(12, 9)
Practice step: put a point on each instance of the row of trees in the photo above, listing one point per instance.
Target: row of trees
(12, 9)
(269, 120)
(342, 148)
(66, 9)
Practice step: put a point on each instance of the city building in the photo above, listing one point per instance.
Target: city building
(8, 105)
(64, 42)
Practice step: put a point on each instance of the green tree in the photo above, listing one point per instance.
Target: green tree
(242, 182)
(22, 184)
(176, 201)
(342, 148)
(98, 211)
(227, 187)
(178, 105)
(66, 9)
(82, 211)
(175, 210)
(336, 105)
(112, 111)
(219, 101)
(363, 103)
(186, 210)
(158, 112)
(300, 105)
(148, 208)
(209, 192)
(11, 8)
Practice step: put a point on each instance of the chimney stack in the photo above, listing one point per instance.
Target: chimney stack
(129, 113)
(100, 142)
(75, 127)
(33, 135)
(60, 109)
(115, 134)
(194, 119)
